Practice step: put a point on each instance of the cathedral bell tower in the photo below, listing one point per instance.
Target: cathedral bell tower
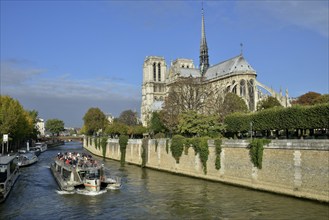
(153, 87)
(204, 58)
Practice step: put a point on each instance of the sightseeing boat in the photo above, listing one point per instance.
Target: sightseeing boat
(80, 171)
(25, 158)
(9, 173)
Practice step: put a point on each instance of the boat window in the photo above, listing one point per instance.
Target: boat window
(12, 166)
(92, 174)
(66, 173)
(3, 173)
(82, 174)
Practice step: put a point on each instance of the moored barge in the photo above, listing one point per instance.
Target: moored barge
(9, 173)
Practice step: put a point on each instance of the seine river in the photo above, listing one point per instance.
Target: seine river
(147, 194)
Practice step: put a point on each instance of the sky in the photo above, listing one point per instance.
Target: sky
(61, 58)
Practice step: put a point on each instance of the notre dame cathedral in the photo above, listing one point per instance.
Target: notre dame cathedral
(234, 75)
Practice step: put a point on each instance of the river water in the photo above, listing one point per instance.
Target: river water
(146, 194)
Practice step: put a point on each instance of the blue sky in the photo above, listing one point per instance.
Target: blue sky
(63, 57)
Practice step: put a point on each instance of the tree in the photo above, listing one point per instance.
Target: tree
(128, 117)
(116, 128)
(94, 120)
(323, 99)
(308, 98)
(233, 103)
(156, 125)
(269, 102)
(15, 121)
(186, 94)
(54, 126)
(193, 124)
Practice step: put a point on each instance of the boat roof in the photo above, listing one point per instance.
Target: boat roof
(6, 159)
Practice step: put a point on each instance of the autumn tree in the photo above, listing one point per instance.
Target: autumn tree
(323, 99)
(268, 102)
(54, 126)
(128, 117)
(308, 98)
(94, 120)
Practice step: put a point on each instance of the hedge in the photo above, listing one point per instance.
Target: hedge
(296, 117)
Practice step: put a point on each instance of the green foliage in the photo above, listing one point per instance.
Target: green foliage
(136, 130)
(104, 144)
(54, 126)
(145, 142)
(116, 128)
(233, 103)
(156, 125)
(269, 102)
(94, 120)
(296, 117)
(177, 146)
(123, 141)
(218, 145)
(16, 121)
(193, 124)
(256, 151)
(200, 146)
(159, 135)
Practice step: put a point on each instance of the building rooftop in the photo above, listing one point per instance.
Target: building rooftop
(234, 65)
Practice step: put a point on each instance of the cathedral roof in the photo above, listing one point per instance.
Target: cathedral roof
(234, 65)
(187, 72)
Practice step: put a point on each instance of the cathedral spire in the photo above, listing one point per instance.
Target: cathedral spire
(204, 59)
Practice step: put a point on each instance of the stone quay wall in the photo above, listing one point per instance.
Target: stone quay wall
(298, 168)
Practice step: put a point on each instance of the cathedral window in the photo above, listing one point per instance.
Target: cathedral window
(154, 72)
(159, 72)
(242, 87)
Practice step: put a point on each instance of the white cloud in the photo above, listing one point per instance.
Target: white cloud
(65, 97)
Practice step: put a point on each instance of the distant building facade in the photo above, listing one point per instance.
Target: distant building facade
(234, 75)
(41, 126)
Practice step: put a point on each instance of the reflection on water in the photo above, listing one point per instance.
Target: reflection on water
(146, 194)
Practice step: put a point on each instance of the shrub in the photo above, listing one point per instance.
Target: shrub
(218, 143)
(256, 151)
(123, 141)
(104, 144)
(177, 146)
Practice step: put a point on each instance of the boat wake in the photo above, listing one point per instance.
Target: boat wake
(81, 192)
(89, 193)
(62, 192)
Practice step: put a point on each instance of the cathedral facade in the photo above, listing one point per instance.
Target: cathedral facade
(233, 75)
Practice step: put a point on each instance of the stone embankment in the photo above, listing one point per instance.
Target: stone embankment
(298, 168)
